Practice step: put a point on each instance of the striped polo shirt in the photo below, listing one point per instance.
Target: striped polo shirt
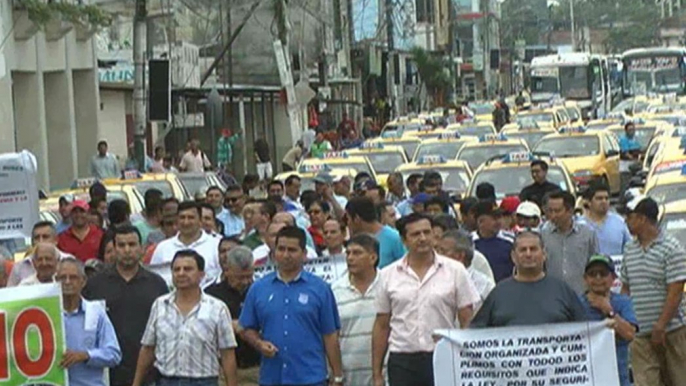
(357, 313)
(648, 272)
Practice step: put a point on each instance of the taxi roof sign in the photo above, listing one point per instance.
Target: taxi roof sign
(670, 166)
(572, 130)
(334, 154)
(431, 159)
(371, 145)
(452, 135)
(131, 175)
(83, 183)
(520, 156)
(493, 137)
(314, 168)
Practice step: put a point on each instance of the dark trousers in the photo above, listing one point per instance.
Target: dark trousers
(184, 381)
(410, 369)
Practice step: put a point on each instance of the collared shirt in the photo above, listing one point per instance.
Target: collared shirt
(418, 307)
(207, 246)
(128, 307)
(294, 317)
(391, 246)
(262, 253)
(233, 224)
(246, 355)
(648, 272)
(622, 306)
(85, 249)
(393, 199)
(483, 284)
(190, 345)
(105, 167)
(194, 163)
(144, 228)
(32, 280)
(24, 269)
(627, 144)
(612, 233)
(89, 329)
(253, 240)
(225, 149)
(480, 263)
(568, 252)
(404, 207)
(357, 320)
(497, 251)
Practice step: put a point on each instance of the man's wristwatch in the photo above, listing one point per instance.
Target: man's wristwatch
(611, 315)
(338, 380)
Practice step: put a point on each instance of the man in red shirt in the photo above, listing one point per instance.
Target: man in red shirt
(81, 239)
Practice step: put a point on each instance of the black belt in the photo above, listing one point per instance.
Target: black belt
(418, 354)
(190, 378)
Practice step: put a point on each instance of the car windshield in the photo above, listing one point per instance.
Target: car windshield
(475, 156)
(530, 137)
(447, 150)
(511, 181)
(675, 120)
(573, 113)
(482, 108)
(475, 130)
(527, 118)
(643, 135)
(385, 163)
(194, 184)
(161, 185)
(569, 146)
(455, 180)
(674, 224)
(631, 105)
(593, 126)
(574, 82)
(664, 194)
(357, 166)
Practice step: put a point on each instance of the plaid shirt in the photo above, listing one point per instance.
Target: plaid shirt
(225, 149)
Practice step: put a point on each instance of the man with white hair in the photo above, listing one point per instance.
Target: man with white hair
(237, 277)
(43, 232)
(44, 260)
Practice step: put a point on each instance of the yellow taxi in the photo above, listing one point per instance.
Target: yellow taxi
(574, 112)
(555, 116)
(168, 183)
(426, 132)
(340, 160)
(384, 159)
(400, 127)
(604, 123)
(587, 155)
(511, 173)
(633, 106)
(488, 146)
(308, 172)
(673, 220)
(456, 174)
(528, 131)
(447, 145)
(409, 144)
(671, 151)
(483, 111)
(645, 131)
(475, 129)
(79, 189)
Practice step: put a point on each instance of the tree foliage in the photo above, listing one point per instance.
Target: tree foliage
(434, 73)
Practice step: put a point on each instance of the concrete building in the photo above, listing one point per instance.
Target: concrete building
(48, 95)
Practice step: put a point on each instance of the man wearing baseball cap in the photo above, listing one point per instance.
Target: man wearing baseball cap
(490, 240)
(81, 239)
(528, 215)
(653, 274)
(64, 203)
(508, 207)
(600, 304)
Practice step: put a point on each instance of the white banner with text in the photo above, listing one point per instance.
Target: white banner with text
(18, 195)
(581, 354)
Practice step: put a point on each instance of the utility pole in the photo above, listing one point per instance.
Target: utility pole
(390, 65)
(139, 99)
(571, 16)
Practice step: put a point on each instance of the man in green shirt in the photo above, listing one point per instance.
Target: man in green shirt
(261, 220)
(320, 146)
(225, 148)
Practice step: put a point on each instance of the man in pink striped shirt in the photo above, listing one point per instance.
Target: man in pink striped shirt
(418, 294)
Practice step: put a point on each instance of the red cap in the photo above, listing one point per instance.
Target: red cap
(80, 204)
(226, 132)
(509, 204)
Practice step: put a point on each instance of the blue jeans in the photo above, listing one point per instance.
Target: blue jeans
(182, 381)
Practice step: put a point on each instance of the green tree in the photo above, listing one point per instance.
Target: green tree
(434, 74)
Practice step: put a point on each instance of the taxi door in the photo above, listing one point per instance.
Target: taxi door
(610, 158)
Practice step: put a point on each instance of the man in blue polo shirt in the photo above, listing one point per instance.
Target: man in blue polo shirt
(495, 244)
(290, 316)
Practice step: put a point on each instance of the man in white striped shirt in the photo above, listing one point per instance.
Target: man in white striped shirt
(653, 273)
(189, 334)
(355, 295)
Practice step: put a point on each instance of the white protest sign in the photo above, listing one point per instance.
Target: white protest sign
(328, 268)
(581, 354)
(18, 195)
(617, 285)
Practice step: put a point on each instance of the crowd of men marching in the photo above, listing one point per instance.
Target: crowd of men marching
(413, 264)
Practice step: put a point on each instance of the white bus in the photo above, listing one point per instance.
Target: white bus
(577, 76)
(654, 70)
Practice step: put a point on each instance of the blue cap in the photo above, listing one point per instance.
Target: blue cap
(601, 259)
(421, 198)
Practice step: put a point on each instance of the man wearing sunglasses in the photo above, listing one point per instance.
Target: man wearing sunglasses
(600, 303)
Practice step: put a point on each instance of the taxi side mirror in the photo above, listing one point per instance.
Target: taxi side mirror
(611, 153)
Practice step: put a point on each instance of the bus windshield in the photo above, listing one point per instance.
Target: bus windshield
(544, 84)
(656, 73)
(574, 82)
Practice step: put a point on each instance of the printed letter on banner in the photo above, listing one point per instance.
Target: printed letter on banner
(580, 354)
(31, 336)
